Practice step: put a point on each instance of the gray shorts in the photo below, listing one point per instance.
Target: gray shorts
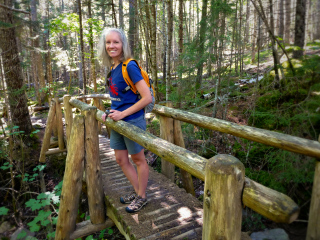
(120, 142)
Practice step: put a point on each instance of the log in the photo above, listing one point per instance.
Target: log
(55, 151)
(47, 133)
(102, 96)
(179, 141)
(72, 182)
(222, 210)
(40, 108)
(86, 228)
(313, 231)
(166, 133)
(276, 203)
(68, 116)
(93, 167)
(279, 140)
(59, 123)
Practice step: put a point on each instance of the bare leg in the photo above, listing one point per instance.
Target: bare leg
(128, 169)
(143, 172)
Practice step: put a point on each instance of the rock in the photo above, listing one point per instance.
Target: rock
(28, 235)
(5, 226)
(273, 234)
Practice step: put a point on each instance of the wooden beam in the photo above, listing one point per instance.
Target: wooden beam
(275, 139)
(86, 228)
(68, 116)
(179, 141)
(93, 167)
(59, 124)
(72, 182)
(47, 132)
(55, 151)
(166, 133)
(222, 210)
(313, 231)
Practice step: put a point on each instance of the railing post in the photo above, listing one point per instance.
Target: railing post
(166, 133)
(48, 131)
(72, 181)
(313, 231)
(222, 210)
(93, 167)
(178, 140)
(67, 116)
(59, 123)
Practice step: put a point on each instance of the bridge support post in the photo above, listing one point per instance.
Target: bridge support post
(59, 123)
(93, 167)
(166, 133)
(178, 140)
(222, 208)
(72, 182)
(47, 134)
(313, 231)
(67, 116)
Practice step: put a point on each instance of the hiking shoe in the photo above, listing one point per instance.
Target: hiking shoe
(128, 198)
(136, 204)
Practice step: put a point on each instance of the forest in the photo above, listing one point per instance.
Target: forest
(250, 62)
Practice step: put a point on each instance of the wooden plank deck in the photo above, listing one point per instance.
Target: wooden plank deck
(171, 213)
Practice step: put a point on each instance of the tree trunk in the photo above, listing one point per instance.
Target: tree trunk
(37, 55)
(82, 49)
(316, 33)
(281, 20)
(287, 22)
(121, 24)
(169, 48)
(93, 65)
(12, 72)
(274, 50)
(132, 25)
(154, 49)
(202, 37)
(299, 30)
(254, 37)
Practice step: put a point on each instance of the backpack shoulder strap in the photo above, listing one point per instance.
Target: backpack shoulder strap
(126, 75)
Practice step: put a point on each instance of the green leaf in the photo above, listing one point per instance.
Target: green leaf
(102, 233)
(3, 211)
(22, 235)
(34, 204)
(89, 237)
(51, 235)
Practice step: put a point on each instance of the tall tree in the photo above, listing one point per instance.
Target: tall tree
(19, 113)
(132, 25)
(92, 59)
(37, 55)
(287, 21)
(82, 49)
(201, 45)
(121, 23)
(281, 19)
(299, 30)
(317, 21)
(170, 31)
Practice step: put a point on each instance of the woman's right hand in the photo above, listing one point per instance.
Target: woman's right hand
(104, 116)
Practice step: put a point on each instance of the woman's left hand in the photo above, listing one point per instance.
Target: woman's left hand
(115, 115)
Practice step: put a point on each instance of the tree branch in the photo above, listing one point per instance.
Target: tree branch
(12, 9)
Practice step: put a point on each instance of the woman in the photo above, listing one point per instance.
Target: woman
(129, 107)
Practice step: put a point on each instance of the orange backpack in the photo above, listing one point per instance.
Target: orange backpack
(131, 86)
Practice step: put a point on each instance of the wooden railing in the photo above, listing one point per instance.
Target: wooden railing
(226, 188)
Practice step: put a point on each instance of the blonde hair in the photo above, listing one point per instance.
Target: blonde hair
(102, 52)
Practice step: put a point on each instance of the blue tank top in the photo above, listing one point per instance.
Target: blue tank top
(122, 100)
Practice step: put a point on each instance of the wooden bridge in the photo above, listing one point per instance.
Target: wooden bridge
(171, 213)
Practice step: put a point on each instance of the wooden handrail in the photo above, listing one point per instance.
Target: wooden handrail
(269, 203)
(275, 139)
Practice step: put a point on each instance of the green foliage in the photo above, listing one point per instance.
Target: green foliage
(3, 211)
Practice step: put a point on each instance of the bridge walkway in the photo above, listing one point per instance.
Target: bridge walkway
(171, 213)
